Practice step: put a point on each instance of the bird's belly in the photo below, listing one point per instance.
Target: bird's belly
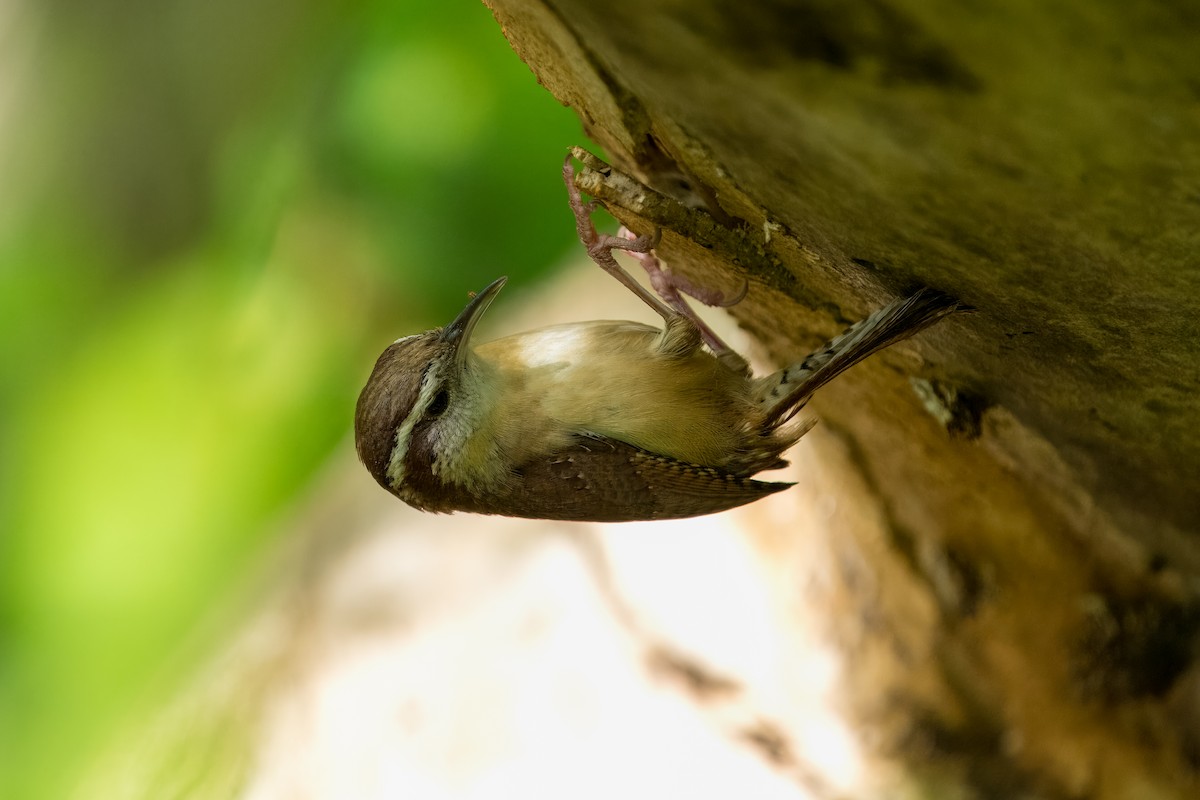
(609, 379)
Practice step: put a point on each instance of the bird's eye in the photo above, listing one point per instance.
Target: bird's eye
(438, 406)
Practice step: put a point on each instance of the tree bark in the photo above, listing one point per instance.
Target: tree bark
(1014, 566)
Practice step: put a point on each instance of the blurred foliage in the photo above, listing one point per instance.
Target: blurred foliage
(215, 215)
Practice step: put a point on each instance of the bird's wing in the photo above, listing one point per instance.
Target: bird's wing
(598, 479)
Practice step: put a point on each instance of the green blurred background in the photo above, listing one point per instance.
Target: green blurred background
(214, 216)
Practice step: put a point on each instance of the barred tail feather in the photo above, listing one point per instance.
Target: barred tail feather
(791, 388)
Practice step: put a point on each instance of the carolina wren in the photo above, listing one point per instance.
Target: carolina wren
(600, 421)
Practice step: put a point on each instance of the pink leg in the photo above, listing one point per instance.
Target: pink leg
(670, 287)
(600, 246)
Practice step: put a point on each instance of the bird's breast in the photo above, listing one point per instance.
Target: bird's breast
(609, 378)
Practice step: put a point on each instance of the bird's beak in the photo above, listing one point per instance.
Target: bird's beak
(458, 332)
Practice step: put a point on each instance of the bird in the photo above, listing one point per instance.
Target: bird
(602, 421)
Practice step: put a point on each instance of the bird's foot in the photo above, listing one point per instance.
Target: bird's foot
(669, 286)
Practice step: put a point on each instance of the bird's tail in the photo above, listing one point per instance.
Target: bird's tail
(785, 392)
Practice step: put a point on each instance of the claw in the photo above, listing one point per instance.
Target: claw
(664, 281)
(600, 248)
(741, 295)
(668, 286)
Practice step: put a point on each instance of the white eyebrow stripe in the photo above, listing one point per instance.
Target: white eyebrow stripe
(429, 386)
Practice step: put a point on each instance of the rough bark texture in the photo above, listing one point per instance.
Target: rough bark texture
(1024, 622)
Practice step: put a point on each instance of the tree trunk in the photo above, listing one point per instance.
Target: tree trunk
(1013, 499)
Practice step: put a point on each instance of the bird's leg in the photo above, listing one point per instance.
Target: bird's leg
(600, 246)
(669, 286)
(672, 288)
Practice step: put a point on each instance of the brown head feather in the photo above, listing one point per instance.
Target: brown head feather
(389, 397)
